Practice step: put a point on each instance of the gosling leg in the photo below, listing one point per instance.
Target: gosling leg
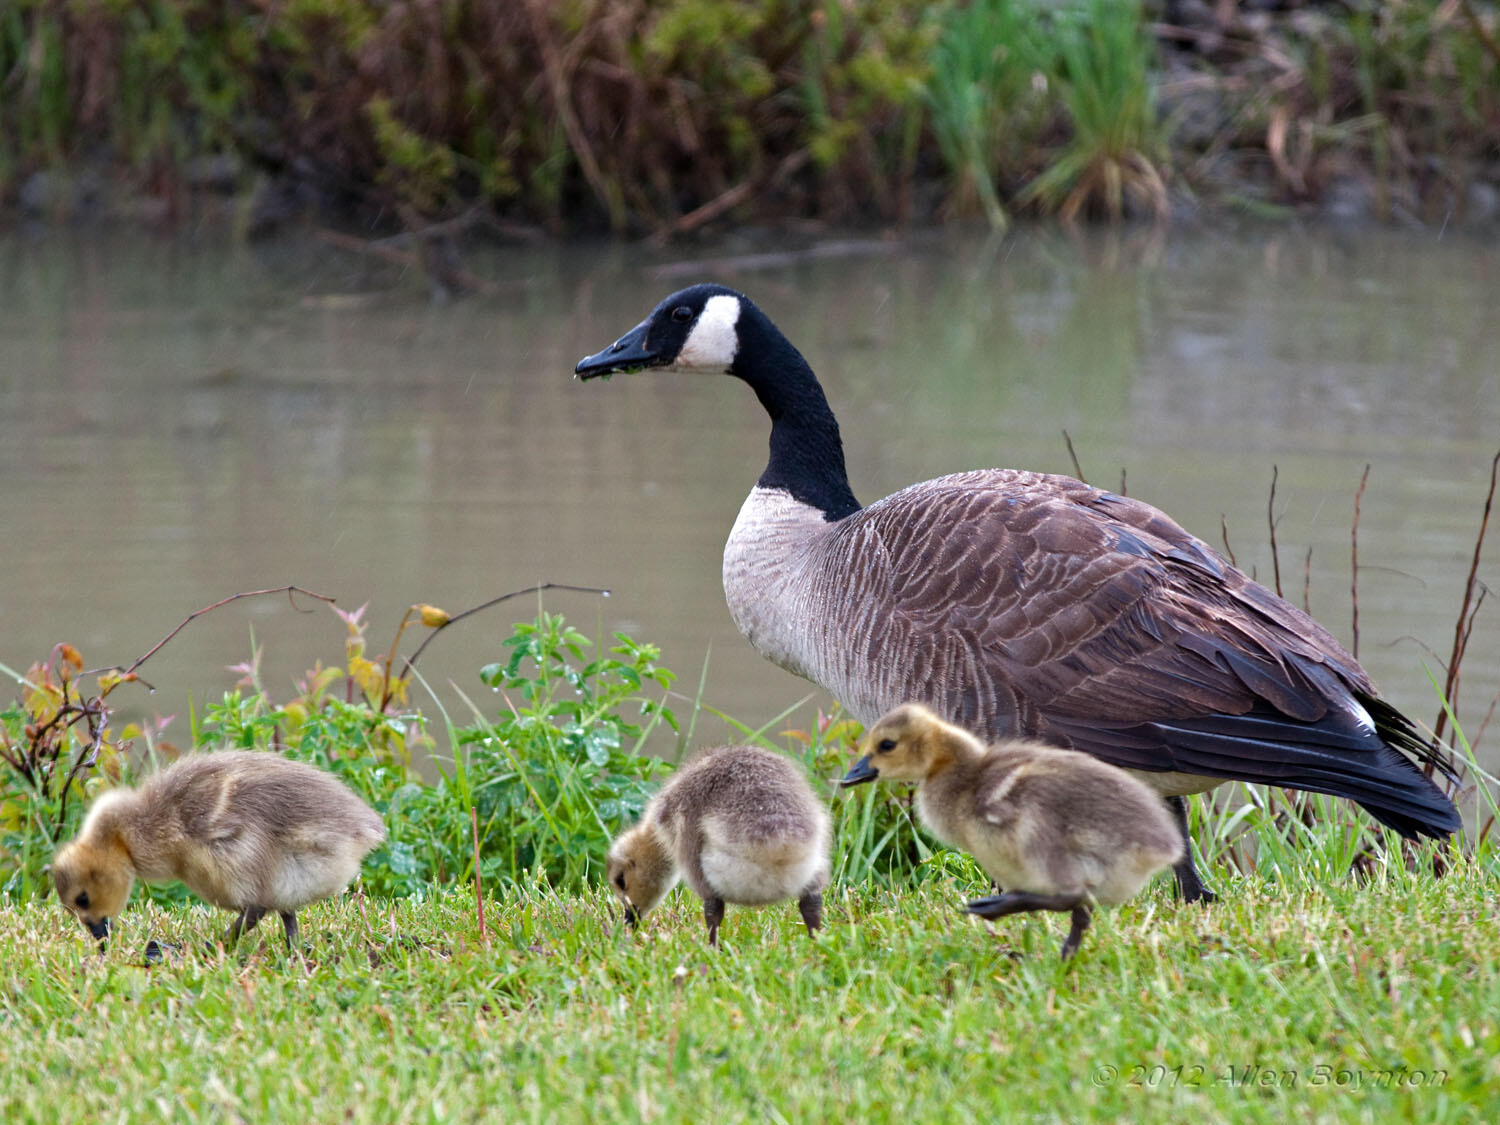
(713, 914)
(1189, 886)
(1019, 902)
(1081, 919)
(811, 906)
(249, 918)
(289, 923)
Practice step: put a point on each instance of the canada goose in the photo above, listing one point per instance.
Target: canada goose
(1024, 604)
(247, 830)
(741, 825)
(1057, 829)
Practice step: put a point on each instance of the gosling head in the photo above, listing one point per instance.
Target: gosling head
(93, 882)
(903, 745)
(640, 871)
(695, 329)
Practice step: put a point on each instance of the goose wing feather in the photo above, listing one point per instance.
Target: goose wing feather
(1078, 604)
(1022, 603)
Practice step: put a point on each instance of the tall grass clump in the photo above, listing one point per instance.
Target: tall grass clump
(981, 96)
(1102, 71)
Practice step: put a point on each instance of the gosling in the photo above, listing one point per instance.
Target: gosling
(740, 825)
(1056, 829)
(250, 831)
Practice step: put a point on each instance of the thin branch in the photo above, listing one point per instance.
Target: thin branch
(1307, 583)
(1271, 520)
(1224, 531)
(290, 591)
(1463, 611)
(457, 617)
(1354, 565)
(1073, 453)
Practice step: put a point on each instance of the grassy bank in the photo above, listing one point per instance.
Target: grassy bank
(665, 117)
(1294, 998)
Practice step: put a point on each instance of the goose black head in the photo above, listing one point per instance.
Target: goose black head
(695, 329)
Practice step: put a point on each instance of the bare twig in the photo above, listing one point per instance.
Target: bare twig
(1460, 635)
(1354, 565)
(290, 591)
(1307, 583)
(1271, 520)
(1073, 453)
(457, 617)
(1224, 532)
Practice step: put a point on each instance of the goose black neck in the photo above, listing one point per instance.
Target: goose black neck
(807, 454)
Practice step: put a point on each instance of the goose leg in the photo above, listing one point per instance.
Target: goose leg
(811, 906)
(289, 923)
(249, 918)
(1188, 884)
(713, 914)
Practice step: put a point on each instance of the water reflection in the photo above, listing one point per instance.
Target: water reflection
(180, 421)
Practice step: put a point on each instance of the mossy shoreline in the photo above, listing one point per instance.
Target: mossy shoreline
(668, 118)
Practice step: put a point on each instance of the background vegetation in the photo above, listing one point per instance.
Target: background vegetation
(663, 116)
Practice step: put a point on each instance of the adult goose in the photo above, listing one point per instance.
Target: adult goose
(1024, 604)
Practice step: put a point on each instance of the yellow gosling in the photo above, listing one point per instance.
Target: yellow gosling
(740, 825)
(1056, 829)
(249, 831)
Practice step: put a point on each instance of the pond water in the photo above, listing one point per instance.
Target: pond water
(183, 419)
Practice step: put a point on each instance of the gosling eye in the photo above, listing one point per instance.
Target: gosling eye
(886, 745)
(82, 901)
(682, 314)
(620, 880)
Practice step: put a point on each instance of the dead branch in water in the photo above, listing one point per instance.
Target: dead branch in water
(733, 197)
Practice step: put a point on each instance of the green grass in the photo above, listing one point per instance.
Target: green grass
(902, 1008)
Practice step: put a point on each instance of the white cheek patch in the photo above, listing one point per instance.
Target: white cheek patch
(713, 342)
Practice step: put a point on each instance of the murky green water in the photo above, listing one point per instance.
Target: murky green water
(180, 421)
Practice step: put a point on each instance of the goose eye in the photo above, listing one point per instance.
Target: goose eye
(620, 880)
(682, 314)
(82, 901)
(886, 745)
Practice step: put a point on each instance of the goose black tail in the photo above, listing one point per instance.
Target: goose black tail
(1332, 756)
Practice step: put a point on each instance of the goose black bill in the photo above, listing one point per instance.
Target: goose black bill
(859, 773)
(629, 353)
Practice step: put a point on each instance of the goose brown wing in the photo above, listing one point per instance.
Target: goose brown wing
(1082, 604)
(1049, 608)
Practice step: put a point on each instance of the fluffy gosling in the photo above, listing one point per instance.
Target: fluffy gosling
(740, 825)
(1058, 830)
(250, 831)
